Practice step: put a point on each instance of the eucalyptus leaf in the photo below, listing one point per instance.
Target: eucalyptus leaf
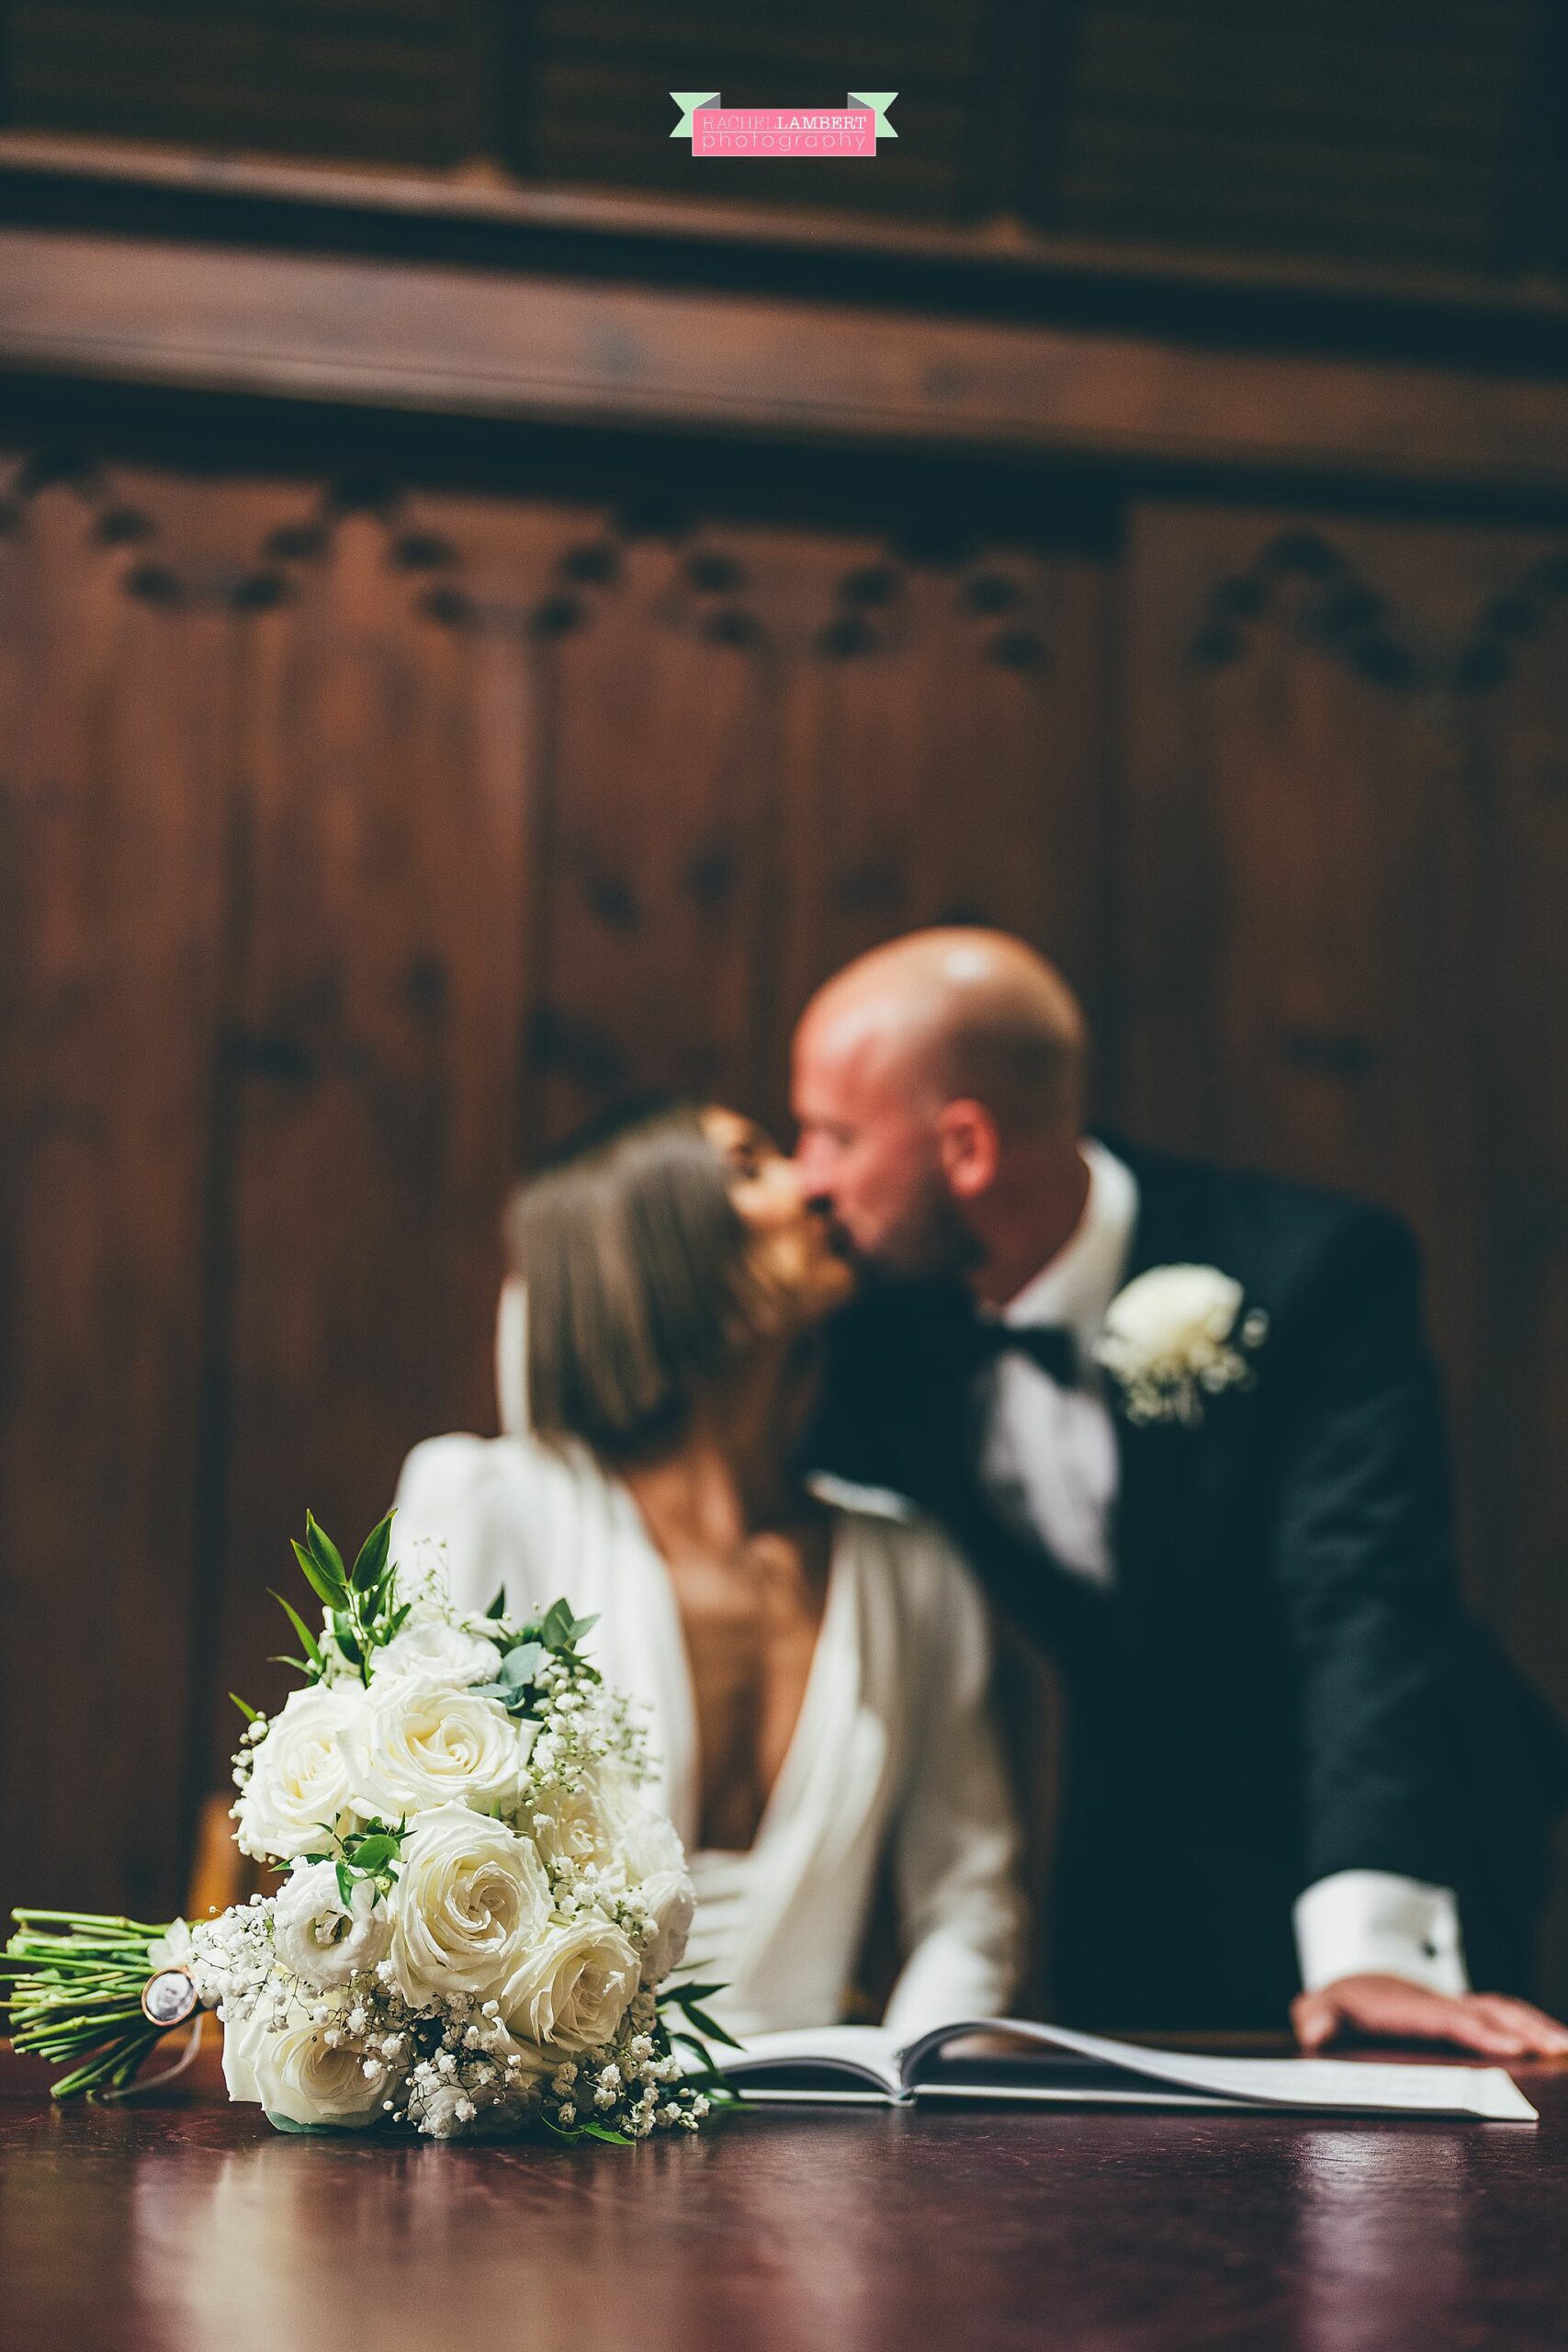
(521, 1663)
(555, 1631)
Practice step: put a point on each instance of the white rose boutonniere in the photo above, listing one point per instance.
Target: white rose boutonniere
(1176, 1335)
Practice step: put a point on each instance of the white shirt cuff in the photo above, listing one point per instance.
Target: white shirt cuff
(1372, 1923)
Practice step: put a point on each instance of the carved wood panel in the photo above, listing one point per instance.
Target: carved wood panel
(360, 839)
(944, 745)
(116, 742)
(383, 953)
(1341, 878)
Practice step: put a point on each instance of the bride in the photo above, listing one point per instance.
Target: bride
(813, 1661)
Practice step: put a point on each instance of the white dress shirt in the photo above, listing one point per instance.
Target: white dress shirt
(1048, 1460)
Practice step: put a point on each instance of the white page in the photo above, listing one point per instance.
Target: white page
(865, 2049)
(1328, 2083)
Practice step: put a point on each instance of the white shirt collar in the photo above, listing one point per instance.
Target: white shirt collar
(1079, 1283)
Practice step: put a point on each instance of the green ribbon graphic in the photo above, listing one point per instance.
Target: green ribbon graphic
(878, 101)
(688, 101)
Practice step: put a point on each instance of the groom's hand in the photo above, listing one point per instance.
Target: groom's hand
(1390, 2009)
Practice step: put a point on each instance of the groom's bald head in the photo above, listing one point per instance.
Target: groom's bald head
(922, 1073)
(957, 1012)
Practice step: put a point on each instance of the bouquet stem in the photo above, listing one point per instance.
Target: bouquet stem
(70, 1986)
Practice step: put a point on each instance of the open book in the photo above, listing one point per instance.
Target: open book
(848, 2065)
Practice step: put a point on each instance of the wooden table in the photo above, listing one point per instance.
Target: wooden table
(188, 2223)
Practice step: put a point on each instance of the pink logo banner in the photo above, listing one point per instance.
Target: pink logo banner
(717, 129)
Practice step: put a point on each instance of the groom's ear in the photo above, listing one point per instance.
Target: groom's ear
(969, 1147)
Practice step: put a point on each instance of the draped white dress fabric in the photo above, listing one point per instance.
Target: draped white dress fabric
(894, 1755)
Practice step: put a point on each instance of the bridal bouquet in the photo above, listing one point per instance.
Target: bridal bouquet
(481, 1906)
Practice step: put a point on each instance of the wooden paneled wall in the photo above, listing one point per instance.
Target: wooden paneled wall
(355, 840)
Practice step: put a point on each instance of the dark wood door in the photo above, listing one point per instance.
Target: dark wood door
(1341, 873)
(362, 842)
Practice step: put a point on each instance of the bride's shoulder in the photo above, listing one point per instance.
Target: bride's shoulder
(482, 1476)
(899, 1549)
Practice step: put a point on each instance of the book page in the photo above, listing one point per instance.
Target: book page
(1343, 2085)
(854, 2056)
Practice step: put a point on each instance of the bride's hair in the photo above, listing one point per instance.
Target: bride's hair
(634, 1259)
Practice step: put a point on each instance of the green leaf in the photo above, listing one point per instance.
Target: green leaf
(682, 1994)
(706, 2025)
(344, 1884)
(307, 1639)
(498, 1606)
(604, 2132)
(324, 1552)
(334, 1595)
(555, 1631)
(580, 1625)
(249, 1712)
(372, 1854)
(521, 1663)
(296, 1663)
(284, 2124)
(372, 1560)
(343, 1627)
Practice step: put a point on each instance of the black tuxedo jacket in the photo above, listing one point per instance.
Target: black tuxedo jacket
(1282, 1682)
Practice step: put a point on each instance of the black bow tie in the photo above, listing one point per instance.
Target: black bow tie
(1050, 1345)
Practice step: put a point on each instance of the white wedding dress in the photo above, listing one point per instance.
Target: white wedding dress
(894, 1756)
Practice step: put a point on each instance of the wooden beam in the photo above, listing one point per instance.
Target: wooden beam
(993, 267)
(459, 341)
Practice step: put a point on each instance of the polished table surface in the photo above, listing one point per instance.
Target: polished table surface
(185, 2222)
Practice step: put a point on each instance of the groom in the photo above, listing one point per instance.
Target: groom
(1292, 1766)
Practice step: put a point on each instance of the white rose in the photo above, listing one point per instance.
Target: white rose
(303, 1777)
(431, 1649)
(572, 1988)
(470, 1901)
(293, 2072)
(172, 1950)
(321, 1938)
(652, 1864)
(1174, 1315)
(428, 1745)
(570, 1826)
(669, 1899)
